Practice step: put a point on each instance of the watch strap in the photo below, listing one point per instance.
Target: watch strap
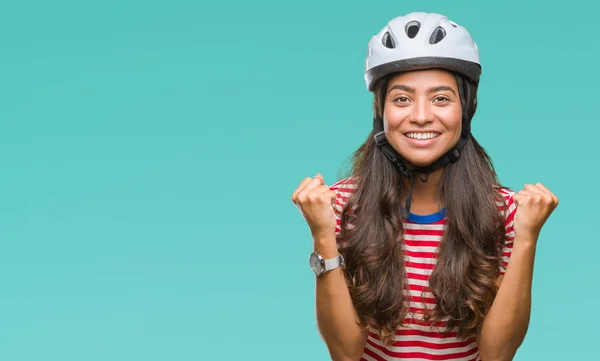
(333, 263)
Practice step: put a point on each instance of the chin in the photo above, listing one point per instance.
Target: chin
(419, 162)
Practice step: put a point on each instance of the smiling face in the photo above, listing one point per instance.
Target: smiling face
(422, 115)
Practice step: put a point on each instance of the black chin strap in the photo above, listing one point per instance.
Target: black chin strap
(423, 172)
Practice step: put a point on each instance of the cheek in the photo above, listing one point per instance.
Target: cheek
(452, 120)
(393, 116)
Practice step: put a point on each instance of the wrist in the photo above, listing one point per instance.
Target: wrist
(325, 245)
(525, 241)
(325, 237)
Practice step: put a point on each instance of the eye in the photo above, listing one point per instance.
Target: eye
(401, 99)
(442, 99)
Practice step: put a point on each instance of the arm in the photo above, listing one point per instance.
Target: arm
(505, 326)
(337, 319)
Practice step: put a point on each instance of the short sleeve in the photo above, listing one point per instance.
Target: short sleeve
(509, 208)
(343, 189)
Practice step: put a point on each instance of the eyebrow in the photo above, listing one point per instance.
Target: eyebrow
(430, 90)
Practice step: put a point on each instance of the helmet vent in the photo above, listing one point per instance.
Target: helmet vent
(438, 34)
(388, 41)
(412, 29)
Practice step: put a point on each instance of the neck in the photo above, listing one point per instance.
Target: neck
(425, 198)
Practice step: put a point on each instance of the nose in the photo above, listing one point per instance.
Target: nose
(421, 113)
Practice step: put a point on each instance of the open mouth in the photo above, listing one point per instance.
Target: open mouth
(422, 136)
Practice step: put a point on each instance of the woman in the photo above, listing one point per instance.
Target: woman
(412, 259)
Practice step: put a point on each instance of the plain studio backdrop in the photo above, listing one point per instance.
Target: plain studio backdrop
(149, 151)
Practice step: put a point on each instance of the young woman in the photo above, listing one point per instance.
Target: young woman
(420, 254)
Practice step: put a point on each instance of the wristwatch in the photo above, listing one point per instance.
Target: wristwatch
(320, 265)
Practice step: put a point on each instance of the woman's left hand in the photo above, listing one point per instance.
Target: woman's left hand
(534, 204)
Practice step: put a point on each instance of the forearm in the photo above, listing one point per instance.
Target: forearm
(337, 318)
(505, 326)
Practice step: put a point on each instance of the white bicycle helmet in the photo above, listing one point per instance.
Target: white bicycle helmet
(418, 41)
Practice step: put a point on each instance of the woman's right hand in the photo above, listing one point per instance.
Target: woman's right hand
(315, 201)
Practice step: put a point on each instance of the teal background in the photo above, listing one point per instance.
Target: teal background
(149, 151)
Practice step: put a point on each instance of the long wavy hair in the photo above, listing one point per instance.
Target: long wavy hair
(468, 258)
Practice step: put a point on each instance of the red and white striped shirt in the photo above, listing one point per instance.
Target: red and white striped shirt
(417, 339)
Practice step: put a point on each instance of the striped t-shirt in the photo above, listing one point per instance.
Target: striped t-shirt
(417, 339)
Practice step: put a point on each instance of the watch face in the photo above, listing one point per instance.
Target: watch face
(315, 263)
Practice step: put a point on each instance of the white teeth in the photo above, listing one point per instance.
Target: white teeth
(422, 136)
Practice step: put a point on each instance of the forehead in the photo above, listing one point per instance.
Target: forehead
(423, 79)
